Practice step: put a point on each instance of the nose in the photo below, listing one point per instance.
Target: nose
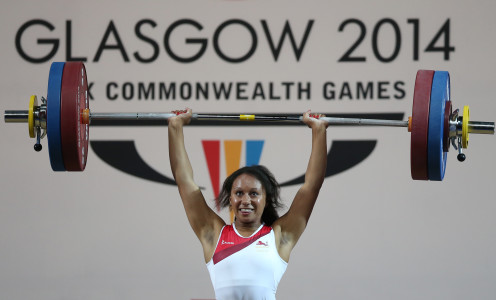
(245, 199)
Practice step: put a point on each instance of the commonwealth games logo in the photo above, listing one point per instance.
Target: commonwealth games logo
(123, 156)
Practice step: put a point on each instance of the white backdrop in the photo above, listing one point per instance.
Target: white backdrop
(374, 233)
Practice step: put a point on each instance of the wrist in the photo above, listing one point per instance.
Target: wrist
(319, 127)
(175, 123)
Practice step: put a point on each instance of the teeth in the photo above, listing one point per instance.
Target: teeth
(246, 209)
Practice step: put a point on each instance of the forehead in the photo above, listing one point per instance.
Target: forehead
(247, 181)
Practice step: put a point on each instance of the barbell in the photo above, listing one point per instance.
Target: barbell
(64, 116)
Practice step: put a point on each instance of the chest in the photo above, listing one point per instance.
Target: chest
(233, 246)
(239, 257)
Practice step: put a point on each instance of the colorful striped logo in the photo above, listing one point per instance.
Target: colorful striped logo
(232, 158)
(124, 156)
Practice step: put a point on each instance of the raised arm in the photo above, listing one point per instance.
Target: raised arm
(291, 225)
(205, 222)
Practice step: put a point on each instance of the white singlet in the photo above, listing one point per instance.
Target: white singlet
(246, 268)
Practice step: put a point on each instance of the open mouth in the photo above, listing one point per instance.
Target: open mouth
(246, 210)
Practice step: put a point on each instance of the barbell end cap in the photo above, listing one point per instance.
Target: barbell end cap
(461, 157)
(37, 147)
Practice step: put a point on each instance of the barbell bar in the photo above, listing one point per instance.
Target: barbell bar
(21, 116)
(65, 117)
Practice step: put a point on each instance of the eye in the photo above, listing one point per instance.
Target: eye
(254, 194)
(239, 193)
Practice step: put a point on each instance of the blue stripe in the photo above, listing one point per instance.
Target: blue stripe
(53, 116)
(253, 152)
(436, 157)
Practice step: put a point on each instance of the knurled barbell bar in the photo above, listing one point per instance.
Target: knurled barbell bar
(65, 118)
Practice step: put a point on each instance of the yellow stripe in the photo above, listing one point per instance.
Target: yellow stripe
(247, 117)
(232, 150)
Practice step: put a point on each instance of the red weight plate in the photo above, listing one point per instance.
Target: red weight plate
(420, 124)
(73, 100)
(448, 110)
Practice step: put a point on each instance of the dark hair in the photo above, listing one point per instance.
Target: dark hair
(269, 183)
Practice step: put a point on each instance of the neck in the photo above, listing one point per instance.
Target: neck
(246, 229)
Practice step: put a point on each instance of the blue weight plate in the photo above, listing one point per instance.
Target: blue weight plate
(436, 157)
(53, 116)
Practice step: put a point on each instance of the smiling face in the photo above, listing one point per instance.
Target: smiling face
(248, 200)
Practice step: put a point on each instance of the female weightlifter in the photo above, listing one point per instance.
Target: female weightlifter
(247, 259)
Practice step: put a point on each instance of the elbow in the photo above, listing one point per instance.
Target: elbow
(187, 191)
(315, 183)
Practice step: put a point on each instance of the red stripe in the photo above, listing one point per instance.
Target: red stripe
(212, 155)
(222, 254)
(420, 124)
